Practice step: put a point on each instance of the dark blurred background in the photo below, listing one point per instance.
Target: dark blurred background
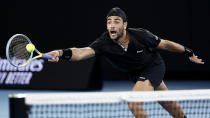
(52, 24)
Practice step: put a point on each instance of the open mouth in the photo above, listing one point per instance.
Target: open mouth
(113, 33)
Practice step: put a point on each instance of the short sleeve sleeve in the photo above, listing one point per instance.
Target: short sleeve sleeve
(150, 39)
(96, 46)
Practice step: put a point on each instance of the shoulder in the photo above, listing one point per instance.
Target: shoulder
(100, 43)
(101, 40)
(140, 32)
(104, 37)
(144, 36)
(137, 30)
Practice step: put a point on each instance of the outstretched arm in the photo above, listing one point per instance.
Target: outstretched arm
(72, 54)
(175, 47)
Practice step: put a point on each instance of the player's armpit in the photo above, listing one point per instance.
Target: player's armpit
(82, 53)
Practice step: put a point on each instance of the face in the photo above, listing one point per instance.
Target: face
(116, 27)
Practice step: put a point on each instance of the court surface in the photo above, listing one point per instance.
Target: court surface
(108, 86)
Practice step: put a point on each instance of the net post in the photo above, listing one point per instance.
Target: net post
(17, 107)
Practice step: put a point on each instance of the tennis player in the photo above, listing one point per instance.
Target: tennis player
(132, 50)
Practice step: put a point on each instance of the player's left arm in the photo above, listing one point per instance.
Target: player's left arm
(175, 47)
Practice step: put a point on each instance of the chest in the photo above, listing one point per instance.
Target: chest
(132, 49)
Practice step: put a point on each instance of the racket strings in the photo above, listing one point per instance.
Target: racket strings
(20, 52)
(17, 48)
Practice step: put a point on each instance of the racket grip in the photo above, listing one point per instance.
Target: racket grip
(46, 56)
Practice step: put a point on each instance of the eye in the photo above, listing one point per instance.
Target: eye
(108, 22)
(116, 22)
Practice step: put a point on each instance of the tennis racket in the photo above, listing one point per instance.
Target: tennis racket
(17, 54)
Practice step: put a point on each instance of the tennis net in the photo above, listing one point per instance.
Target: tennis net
(193, 103)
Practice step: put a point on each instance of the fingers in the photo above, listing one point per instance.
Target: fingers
(196, 60)
(199, 61)
(54, 59)
(55, 56)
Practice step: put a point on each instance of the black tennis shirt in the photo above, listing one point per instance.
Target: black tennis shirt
(140, 53)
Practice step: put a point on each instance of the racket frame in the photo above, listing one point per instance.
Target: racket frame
(31, 56)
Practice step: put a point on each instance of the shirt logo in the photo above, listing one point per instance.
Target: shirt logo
(156, 37)
(139, 51)
(142, 78)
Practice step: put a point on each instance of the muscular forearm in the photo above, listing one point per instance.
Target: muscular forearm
(171, 46)
(175, 47)
(78, 54)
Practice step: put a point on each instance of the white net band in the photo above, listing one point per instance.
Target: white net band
(158, 104)
(108, 97)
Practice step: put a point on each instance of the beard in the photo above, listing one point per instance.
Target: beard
(119, 34)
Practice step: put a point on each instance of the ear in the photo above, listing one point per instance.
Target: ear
(125, 24)
(106, 27)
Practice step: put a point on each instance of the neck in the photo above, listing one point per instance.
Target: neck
(123, 39)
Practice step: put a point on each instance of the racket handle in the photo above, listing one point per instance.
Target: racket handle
(46, 56)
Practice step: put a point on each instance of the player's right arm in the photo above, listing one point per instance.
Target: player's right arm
(77, 54)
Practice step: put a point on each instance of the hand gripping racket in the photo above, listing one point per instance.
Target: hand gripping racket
(18, 55)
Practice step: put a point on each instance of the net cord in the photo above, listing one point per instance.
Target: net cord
(113, 97)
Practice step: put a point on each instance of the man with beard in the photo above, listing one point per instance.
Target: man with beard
(132, 50)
